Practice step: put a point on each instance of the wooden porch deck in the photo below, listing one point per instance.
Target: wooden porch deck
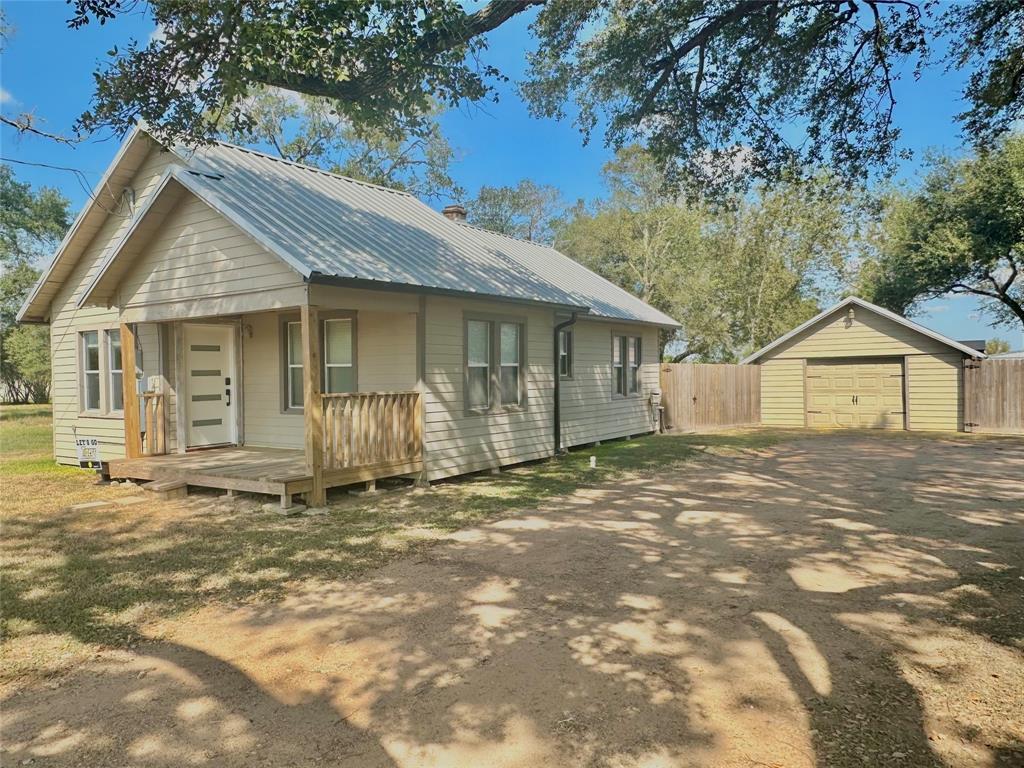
(275, 471)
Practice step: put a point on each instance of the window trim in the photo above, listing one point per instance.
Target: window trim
(569, 335)
(288, 318)
(500, 365)
(111, 370)
(634, 344)
(625, 340)
(494, 363)
(351, 320)
(84, 371)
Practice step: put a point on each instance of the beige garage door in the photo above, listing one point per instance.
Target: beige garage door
(864, 393)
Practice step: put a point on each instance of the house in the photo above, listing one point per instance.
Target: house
(859, 365)
(248, 323)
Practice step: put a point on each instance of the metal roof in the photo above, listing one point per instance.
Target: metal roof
(872, 308)
(329, 227)
(323, 224)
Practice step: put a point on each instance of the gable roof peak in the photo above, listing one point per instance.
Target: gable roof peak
(872, 308)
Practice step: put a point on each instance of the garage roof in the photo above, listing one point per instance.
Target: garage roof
(855, 301)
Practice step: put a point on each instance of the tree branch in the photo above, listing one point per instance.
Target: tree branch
(26, 124)
(439, 41)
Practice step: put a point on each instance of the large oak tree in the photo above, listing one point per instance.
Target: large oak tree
(960, 232)
(758, 86)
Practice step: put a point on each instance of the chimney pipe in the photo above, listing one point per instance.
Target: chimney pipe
(454, 212)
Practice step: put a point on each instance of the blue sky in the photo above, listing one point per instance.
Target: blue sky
(47, 68)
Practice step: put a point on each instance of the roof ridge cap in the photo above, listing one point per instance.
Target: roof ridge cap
(467, 225)
(311, 168)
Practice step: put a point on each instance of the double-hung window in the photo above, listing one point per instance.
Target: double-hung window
(339, 366)
(625, 365)
(565, 353)
(90, 362)
(115, 373)
(633, 365)
(339, 361)
(618, 365)
(510, 379)
(294, 393)
(478, 365)
(495, 364)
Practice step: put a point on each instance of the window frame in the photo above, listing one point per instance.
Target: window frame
(289, 319)
(501, 365)
(566, 349)
(634, 345)
(351, 320)
(495, 394)
(626, 374)
(84, 372)
(111, 370)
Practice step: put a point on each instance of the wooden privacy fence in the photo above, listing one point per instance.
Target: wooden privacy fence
(366, 428)
(994, 396)
(155, 443)
(698, 396)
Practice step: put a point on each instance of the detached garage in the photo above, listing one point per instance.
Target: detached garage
(860, 366)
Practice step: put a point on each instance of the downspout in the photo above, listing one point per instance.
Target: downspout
(559, 327)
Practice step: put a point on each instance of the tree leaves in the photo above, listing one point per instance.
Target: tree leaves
(961, 232)
(528, 210)
(735, 274)
(309, 130)
(721, 92)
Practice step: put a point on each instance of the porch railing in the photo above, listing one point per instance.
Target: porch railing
(155, 443)
(366, 428)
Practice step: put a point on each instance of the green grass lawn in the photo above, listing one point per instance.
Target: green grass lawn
(78, 579)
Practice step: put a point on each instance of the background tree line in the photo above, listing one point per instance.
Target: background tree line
(32, 222)
(736, 270)
(739, 270)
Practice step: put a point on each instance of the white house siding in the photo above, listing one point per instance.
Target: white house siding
(589, 410)
(385, 359)
(196, 253)
(66, 320)
(457, 442)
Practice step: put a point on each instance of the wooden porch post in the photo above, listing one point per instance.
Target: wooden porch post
(313, 405)
(130, 392)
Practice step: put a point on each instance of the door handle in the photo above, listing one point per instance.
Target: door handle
(227, 393)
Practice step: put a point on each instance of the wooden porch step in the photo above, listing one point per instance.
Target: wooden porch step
(167, 489)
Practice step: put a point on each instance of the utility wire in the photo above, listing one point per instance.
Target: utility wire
(80, 177)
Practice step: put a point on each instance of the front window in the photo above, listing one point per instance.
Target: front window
(478, 364)
(90, 341)
(633, 370)
(618, 367)
(565, 354)
(510, 370)
(294, 395)
(339, 370)
(115, 374)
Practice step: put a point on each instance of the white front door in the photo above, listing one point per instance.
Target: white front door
(210, 396)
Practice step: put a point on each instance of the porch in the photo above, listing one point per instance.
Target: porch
(276, 471)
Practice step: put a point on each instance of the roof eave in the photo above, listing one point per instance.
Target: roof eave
(23, 315)
(383, 285)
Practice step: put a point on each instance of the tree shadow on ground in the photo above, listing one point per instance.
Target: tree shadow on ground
(751, 610)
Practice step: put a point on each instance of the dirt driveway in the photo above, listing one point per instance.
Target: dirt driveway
(842, 600)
